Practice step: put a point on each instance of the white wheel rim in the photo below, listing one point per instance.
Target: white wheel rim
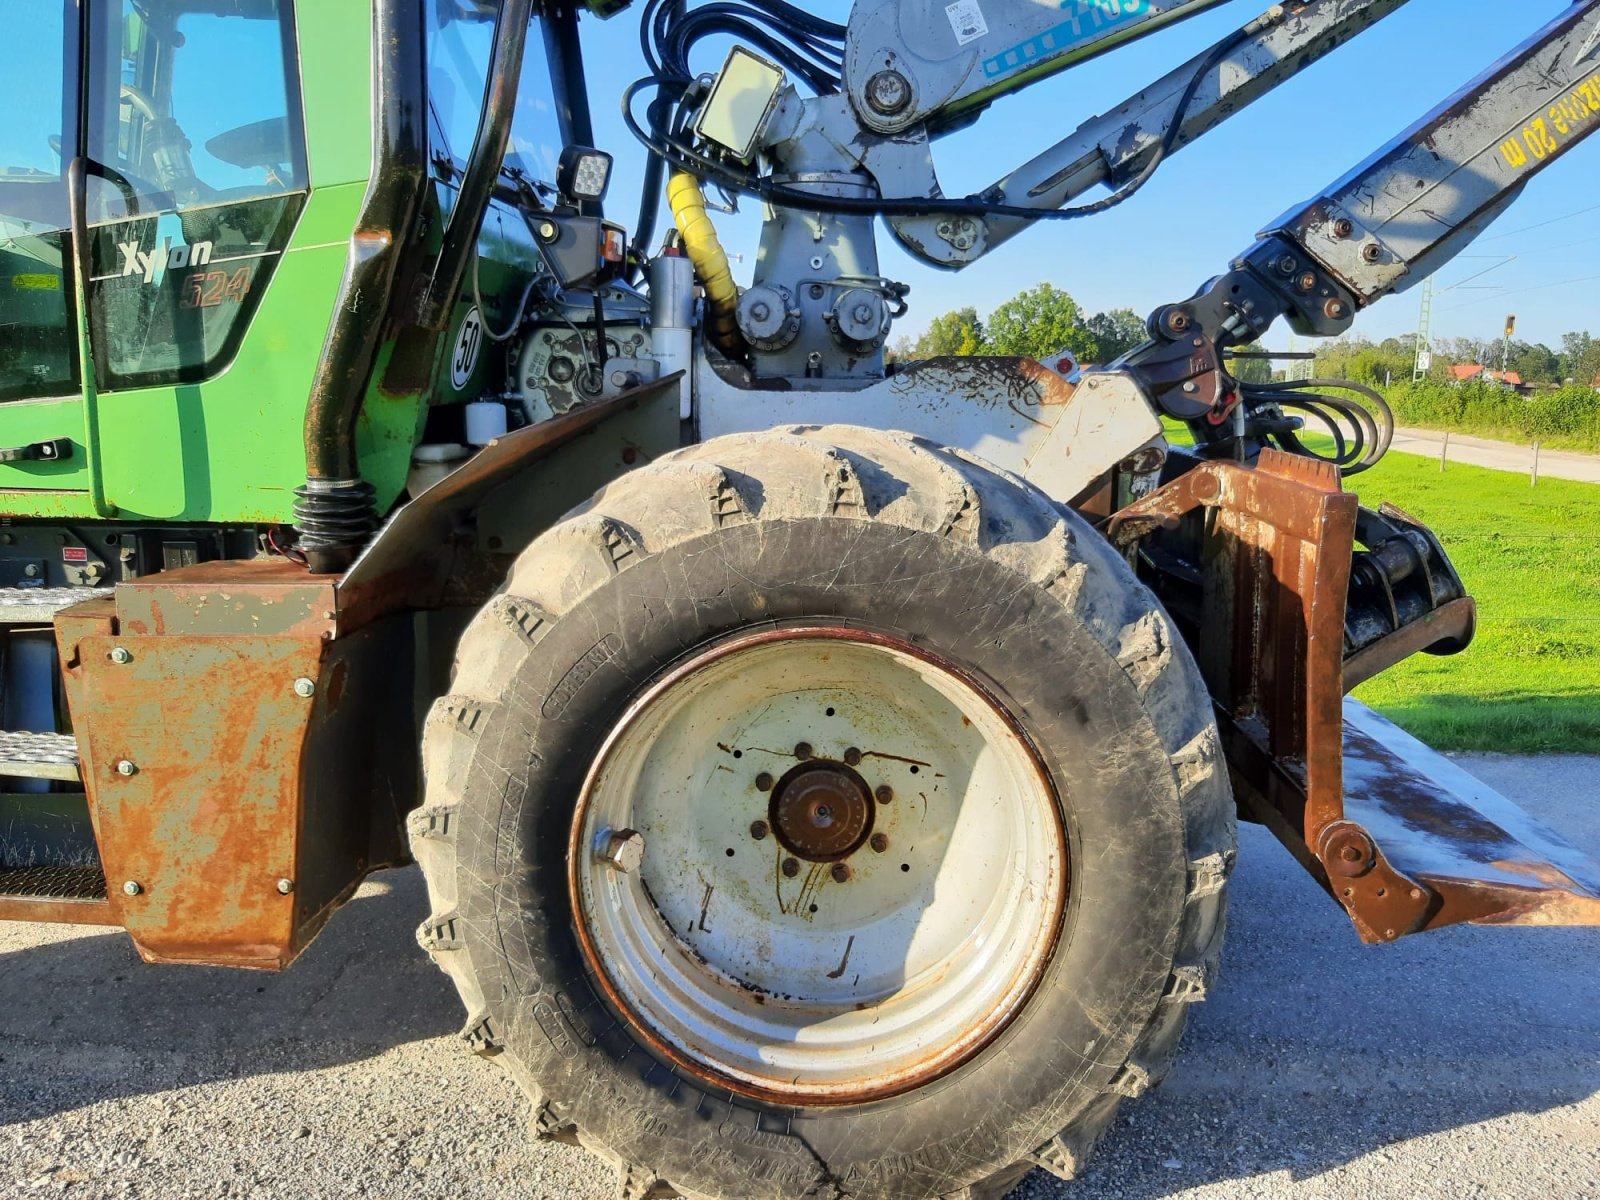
(805, 987)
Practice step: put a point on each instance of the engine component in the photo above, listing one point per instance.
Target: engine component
(768, 318)
(561, 366)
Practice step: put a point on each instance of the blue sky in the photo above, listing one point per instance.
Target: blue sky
(1207, 203)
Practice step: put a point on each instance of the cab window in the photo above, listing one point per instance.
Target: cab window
(38, 343)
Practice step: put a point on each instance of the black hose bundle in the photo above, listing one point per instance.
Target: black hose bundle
(1362, 430)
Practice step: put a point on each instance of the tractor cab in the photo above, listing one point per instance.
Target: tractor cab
(208, 205)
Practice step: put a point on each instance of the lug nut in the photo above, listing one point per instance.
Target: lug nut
(852, 756)
(841, 872)
(880, 842)
(764, 782)
(759, 829)
(802, 750)
(885, 793)
(791, 867)
(625, 850)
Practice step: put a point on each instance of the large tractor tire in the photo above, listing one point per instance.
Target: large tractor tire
(824, 813)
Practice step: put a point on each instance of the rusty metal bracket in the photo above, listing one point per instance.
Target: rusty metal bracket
(1257, 575)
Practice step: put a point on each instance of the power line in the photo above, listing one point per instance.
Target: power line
(1582, 212)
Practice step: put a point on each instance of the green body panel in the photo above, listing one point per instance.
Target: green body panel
(231, 448)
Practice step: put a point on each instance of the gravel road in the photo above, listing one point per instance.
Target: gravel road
(1458, 1064)
(1501, 456)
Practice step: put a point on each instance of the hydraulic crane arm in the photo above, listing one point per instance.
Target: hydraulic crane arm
(1116, 147)
(1400, 216)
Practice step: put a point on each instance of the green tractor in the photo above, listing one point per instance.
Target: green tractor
(825, 770)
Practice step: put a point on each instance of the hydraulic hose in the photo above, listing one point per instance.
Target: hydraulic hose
(704, 248)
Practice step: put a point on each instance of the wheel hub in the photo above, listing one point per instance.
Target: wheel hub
(822, 811)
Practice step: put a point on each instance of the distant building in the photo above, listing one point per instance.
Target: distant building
(1477, 373)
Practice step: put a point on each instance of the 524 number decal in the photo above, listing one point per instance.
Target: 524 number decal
(213, 288)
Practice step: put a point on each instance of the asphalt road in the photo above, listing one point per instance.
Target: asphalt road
(1501, 456)
(1459, 1064)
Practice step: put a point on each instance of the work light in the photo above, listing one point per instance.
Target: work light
(583, 173)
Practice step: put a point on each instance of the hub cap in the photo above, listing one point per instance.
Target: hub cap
(853, 866)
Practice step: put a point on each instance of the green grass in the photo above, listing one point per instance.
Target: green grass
(1530, 683)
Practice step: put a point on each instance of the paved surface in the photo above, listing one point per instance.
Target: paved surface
(1459, 1064)
(1502, 456)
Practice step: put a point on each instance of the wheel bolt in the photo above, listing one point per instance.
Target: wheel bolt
(802, 750)
(759, 829)
(852, 756)
(791, 867)
(841, 873)
(625, 850)
(885, 793)
(880, 842)
(763, 782)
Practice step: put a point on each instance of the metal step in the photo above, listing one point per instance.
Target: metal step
(38, 755)
(53, 883)
(38, 606)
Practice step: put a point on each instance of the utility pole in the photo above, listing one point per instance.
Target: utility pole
(1505, 353)
(1424, 346)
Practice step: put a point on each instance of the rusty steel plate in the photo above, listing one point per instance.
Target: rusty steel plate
(191, 751)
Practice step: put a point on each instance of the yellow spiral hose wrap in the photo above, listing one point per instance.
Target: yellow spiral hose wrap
(704, 248)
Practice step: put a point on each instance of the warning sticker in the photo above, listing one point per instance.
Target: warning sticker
(75, 554)
(966, 18)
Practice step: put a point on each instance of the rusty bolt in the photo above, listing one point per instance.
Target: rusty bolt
(841, 872)
(625, 850)
(630, 455)
(120, 656)
(1287, 265)
(885, 793)
(1178, 322)
(1416, 893)
(791, 867)
(132, 888)
(1371, 252)
(1344, 227)
(802, 750)
(880, 842)
(285, 886)
(759, 829)
(1306, 282)
(1334, 310)
(1352, 854)
(126, 767)
(764, 782)
(852, 756)
(305, 688)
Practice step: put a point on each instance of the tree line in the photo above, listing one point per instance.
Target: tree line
(1043, 321)
(1039, 322)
